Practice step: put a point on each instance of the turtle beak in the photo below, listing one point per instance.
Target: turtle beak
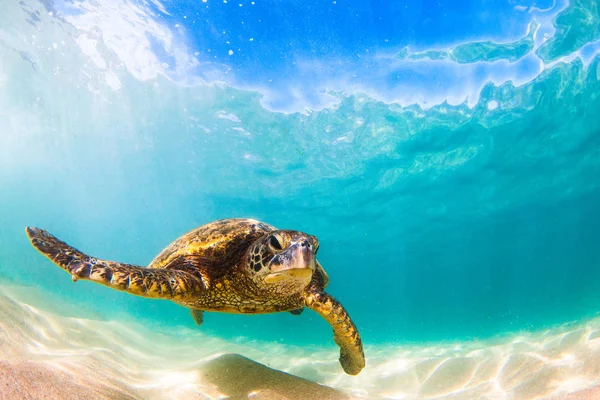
(295, 263)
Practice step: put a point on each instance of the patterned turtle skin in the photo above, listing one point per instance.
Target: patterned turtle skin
(233, 265)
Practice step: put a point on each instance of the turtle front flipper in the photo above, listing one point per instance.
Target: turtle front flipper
(147, 282)
(345, 334)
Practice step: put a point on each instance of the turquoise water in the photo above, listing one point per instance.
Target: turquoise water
(460, 202)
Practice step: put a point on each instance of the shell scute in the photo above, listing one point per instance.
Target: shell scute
(219, 244)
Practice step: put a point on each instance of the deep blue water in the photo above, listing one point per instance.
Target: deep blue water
(447, 154)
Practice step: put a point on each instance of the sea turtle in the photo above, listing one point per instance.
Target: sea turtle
(232, 265)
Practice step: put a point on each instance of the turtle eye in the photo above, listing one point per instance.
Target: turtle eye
(274, 243)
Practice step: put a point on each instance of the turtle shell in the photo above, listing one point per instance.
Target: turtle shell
(219, 243)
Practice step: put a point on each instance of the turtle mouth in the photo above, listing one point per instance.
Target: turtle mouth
(301, 274)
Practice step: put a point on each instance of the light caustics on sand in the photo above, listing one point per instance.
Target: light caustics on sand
(148, 363)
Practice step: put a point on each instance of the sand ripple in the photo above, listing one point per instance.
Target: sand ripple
(78, 357)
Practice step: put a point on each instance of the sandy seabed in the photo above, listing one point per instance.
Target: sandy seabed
(45, 355)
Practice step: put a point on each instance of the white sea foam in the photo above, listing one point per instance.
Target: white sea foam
(143, 44)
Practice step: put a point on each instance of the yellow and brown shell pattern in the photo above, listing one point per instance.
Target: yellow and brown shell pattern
(205, 270)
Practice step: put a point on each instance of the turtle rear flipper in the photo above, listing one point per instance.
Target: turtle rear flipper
(147, 282)
(197, 315)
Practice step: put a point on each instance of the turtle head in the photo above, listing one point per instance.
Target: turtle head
(283, 261)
